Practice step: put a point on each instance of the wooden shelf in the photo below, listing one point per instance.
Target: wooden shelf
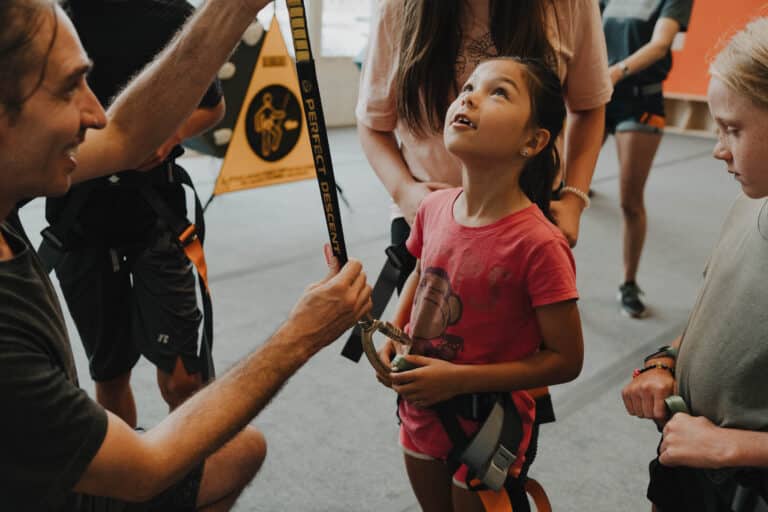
(688, 115)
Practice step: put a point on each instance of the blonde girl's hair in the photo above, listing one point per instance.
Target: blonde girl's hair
(743, 64)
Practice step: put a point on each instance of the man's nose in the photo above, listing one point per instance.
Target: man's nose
(93, 115)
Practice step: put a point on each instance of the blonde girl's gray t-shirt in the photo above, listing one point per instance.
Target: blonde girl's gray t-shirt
(722, 369)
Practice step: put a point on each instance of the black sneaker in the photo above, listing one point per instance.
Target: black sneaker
(629, 298)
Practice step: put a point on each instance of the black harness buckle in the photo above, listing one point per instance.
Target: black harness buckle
(52, 238)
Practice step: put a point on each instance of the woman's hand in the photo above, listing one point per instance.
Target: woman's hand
(434, 381)
(644, 395)
(616, 73)
(695, 442)
(567, 214)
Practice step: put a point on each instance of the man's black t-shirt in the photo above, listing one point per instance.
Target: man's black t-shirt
(121, 37)
(629, 24)
(50, 429)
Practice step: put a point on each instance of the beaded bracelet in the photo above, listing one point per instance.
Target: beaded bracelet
(573, 190)
(660, 366)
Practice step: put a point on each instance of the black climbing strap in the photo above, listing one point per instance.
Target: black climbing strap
(318, 133)
(190, 237)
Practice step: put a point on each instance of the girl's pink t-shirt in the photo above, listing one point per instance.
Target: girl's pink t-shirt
(477, 294)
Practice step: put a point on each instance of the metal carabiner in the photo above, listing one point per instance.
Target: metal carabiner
(370, 326)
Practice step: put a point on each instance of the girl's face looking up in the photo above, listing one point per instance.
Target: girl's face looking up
(742, 127)
(490, 117)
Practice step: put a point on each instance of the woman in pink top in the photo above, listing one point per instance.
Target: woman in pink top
(419, 54)
(491, 307)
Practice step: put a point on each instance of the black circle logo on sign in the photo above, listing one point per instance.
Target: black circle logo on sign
(273, 123)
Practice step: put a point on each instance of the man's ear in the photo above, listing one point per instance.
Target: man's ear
(6, 122)
(4, 126)
(538, 141)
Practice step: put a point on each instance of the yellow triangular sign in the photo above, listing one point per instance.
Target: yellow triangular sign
(269, 144)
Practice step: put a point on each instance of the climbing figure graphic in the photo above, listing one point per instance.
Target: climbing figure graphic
(268, 123)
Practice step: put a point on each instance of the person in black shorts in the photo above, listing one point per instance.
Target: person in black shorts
(639, 37)
(127, 283)
(60, 450)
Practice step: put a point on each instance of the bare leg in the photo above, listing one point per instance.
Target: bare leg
(115, 395)
(636, 151)
(228, 471)
(465, 500)
(431, 483)
(179, 385)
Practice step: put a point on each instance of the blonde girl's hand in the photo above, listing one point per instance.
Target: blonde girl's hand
(413, 194)
(644, 395)
(387, 351)
(433, 381)
(695, 442)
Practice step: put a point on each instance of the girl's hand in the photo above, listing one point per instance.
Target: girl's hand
(387, 351)
(644, 395)
(411, 196)
(695, 442)
(434, 381)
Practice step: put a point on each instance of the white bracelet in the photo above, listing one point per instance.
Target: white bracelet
(573, 190)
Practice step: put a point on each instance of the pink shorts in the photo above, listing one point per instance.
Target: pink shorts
(409, 448)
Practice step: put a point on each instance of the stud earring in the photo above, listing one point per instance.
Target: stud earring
(524, 152)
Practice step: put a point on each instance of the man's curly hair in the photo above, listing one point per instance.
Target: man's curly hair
(20, 55)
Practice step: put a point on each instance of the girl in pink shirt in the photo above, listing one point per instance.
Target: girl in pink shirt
(491, 306)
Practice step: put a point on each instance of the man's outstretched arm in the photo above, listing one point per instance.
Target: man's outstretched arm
(135, 468)
(156, 103)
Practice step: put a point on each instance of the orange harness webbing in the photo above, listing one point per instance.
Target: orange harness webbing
(498, 501)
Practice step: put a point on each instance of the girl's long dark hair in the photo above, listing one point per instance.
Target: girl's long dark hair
(428, 48)
(547, 112)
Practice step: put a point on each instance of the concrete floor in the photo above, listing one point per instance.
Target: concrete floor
(332, 430)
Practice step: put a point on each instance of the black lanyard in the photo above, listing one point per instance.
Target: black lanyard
(318, 134)
(318, 139)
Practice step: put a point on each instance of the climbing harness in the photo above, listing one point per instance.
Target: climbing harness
(495, 456)
(58, 237)
(675, 404)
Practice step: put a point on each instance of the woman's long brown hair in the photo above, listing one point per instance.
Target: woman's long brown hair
(429, 42)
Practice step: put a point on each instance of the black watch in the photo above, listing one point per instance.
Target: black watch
(665, 351)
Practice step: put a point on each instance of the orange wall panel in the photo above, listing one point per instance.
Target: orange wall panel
(711, 22)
